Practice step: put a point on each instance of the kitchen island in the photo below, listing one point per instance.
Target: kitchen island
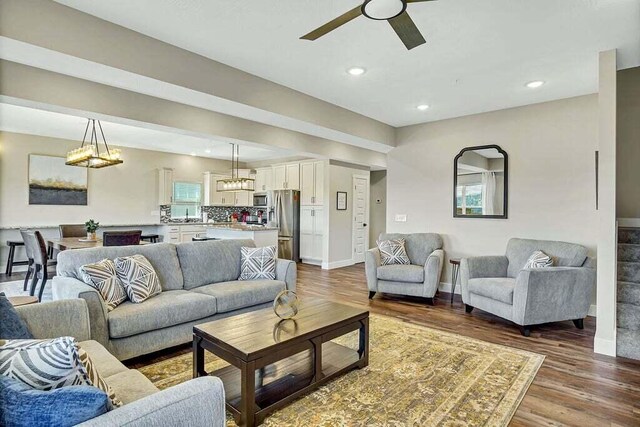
(261, 235)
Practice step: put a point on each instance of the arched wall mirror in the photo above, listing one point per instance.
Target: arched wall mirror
(480, 182)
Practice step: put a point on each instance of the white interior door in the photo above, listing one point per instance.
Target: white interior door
(360, 240)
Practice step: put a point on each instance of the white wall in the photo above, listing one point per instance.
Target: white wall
(628, 143)
(551, 177)
(124, 194)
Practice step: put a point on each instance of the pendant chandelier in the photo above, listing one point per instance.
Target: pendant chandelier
(235, 183)
(89, 154)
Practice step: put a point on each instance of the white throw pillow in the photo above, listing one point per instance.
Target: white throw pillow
(138, 277)
(258, 263)
(539, 259)
(102, 276)
(393, 252)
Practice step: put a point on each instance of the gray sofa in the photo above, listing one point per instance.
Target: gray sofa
(199, 284)
(198, 402)
(500, 285)
(419, 279)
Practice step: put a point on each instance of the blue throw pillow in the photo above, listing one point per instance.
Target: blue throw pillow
(20, 405)
(12, 327)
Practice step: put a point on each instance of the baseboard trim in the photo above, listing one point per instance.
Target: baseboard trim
(311, 261)
(337, 264)
(629, 222)
(592, 310)
(606, 347)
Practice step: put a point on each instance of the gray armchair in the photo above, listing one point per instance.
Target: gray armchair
(502, 286)
(419, 279)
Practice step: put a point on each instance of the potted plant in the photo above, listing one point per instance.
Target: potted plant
(92, 226)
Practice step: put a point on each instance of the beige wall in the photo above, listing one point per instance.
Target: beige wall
(341, 222)
(124, 194)
(628, 144)
(551, 177)
(378, 211)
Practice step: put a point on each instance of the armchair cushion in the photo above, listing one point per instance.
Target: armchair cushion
(418, 245)
(497, 288)
(165, 309)
(564, 254)
(401, 273)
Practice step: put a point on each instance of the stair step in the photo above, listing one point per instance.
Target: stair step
(629, 272)
(628, 343)
(629, 235)
(629, 292)
(628, 252)
(628, 316)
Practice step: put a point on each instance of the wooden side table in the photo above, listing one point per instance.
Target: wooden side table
(455, 272)
(22, 300)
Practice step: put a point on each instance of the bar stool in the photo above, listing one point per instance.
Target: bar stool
(153, 238)
(12, 253)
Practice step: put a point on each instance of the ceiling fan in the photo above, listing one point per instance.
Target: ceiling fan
(393, 11)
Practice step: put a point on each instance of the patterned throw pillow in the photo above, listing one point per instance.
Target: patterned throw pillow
(102, 276)
(95, 379)
(393, 252)
(258, 263)
(539, 259)
(43, 364)
(11, 324)
(138, 277)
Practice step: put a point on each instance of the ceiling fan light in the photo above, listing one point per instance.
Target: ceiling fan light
(423, 107)
(356, 71)
(383, 9)
(534, 84)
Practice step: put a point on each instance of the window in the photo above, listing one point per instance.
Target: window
(469, 199)
(184, 210)
(187, 198)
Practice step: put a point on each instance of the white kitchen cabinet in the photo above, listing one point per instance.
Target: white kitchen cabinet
(311, 233)
(181, 233)
(188, 236)
(286, 177)
(220, 198)
(264, 179)
(312, 183)
(165, 186)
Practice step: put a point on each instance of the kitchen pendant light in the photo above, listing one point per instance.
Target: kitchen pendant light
(89, 155)
(235, 183)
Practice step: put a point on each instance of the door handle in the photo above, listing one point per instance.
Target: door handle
(364, 224)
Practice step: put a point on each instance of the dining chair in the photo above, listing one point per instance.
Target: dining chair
(36, 247)
(29, 251)
(121, 238)
(72, 230)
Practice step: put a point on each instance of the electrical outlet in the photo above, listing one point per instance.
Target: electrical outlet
(401, 217)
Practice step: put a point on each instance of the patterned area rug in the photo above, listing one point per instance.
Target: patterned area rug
(416, 376)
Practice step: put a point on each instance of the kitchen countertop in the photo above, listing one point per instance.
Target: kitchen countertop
(239, 226)
(36, 227)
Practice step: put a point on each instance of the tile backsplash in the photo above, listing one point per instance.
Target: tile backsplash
(216, 213)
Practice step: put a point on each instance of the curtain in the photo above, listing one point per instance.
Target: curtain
(488, 193)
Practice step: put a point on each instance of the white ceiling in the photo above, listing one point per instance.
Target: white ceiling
(32, 121)
(478, 55)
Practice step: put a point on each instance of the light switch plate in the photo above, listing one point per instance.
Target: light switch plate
(401, 217)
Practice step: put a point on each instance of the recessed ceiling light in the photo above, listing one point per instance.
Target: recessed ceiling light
(193, 154)
(422, 107)
(207, 151)
(534, 84)
(356, 71)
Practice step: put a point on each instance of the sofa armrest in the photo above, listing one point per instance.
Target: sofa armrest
(552, 294)
(287, 271)
(432, 272)
(70, 288)
(55, 319)
(198, 402)
(371, 264)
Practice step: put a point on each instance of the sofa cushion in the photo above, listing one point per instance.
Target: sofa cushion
(212, 261)
(131, 385)
(21, 405)
(418, 245)
(166, 309)
(563, 254)
(239, 294)
(106, 363)
(401, 273)
(497, 288)
(162, 257)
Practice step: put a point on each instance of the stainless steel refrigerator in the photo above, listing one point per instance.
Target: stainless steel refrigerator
(285, 213)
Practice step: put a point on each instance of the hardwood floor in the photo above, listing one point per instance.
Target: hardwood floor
(574, 387)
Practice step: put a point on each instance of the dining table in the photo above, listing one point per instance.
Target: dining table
(68, 243)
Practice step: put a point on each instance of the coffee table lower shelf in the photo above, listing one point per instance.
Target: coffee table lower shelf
(287, 380)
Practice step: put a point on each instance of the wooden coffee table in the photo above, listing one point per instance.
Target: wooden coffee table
(274, 362)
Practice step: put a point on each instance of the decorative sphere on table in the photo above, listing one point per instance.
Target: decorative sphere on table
(286, 304)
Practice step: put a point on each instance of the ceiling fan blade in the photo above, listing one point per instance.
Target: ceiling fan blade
(332, 25)
(406, 29)
(417, 1)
